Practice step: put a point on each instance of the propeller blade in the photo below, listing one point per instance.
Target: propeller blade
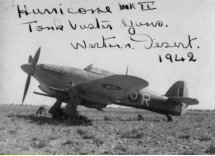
(30, 59)
(26, 87)
(36, 57)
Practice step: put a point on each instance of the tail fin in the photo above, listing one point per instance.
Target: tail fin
(178, 89)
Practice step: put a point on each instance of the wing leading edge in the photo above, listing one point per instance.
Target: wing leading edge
(115, 86)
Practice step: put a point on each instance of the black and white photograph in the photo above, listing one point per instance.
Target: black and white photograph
(107, 77)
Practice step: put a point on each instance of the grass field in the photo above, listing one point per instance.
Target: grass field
(114, 131)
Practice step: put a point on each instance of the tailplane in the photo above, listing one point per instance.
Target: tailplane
(187, 100)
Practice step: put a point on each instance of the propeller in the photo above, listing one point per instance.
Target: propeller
(30, 69)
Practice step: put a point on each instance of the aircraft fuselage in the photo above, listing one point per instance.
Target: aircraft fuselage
(54, 76)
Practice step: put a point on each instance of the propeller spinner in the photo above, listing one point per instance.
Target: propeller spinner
(30, 69)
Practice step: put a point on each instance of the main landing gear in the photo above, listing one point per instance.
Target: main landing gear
(56, 111)
(59, 114)
(169, 118)
(69, 112)
(71, 109)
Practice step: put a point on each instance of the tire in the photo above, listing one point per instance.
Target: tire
(58, 113)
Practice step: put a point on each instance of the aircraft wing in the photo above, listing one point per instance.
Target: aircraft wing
(115, 86)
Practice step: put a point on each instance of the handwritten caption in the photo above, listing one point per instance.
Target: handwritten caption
(134, 28)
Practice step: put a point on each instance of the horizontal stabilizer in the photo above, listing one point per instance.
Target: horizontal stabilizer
(187, 100)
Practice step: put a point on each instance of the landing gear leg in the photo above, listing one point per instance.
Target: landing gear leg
(169, 118)
(71, 107)
(71, 110)
(56, 110)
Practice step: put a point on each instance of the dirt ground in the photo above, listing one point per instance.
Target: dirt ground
(113, 131)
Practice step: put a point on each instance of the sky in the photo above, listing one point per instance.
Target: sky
(178, 21)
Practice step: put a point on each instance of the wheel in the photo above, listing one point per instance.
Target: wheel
(58, 114)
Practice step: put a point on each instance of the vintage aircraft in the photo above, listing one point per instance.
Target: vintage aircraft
(98, 88)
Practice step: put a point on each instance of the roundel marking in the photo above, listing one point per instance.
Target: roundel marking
(111, 87)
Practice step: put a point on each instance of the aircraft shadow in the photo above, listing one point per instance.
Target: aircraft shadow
(41, 120)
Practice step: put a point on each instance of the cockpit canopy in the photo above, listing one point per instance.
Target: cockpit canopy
(96, 70)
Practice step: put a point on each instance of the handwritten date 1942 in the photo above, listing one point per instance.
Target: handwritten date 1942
(176, 58)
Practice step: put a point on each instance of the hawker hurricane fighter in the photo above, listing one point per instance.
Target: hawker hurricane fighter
(96, 88)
